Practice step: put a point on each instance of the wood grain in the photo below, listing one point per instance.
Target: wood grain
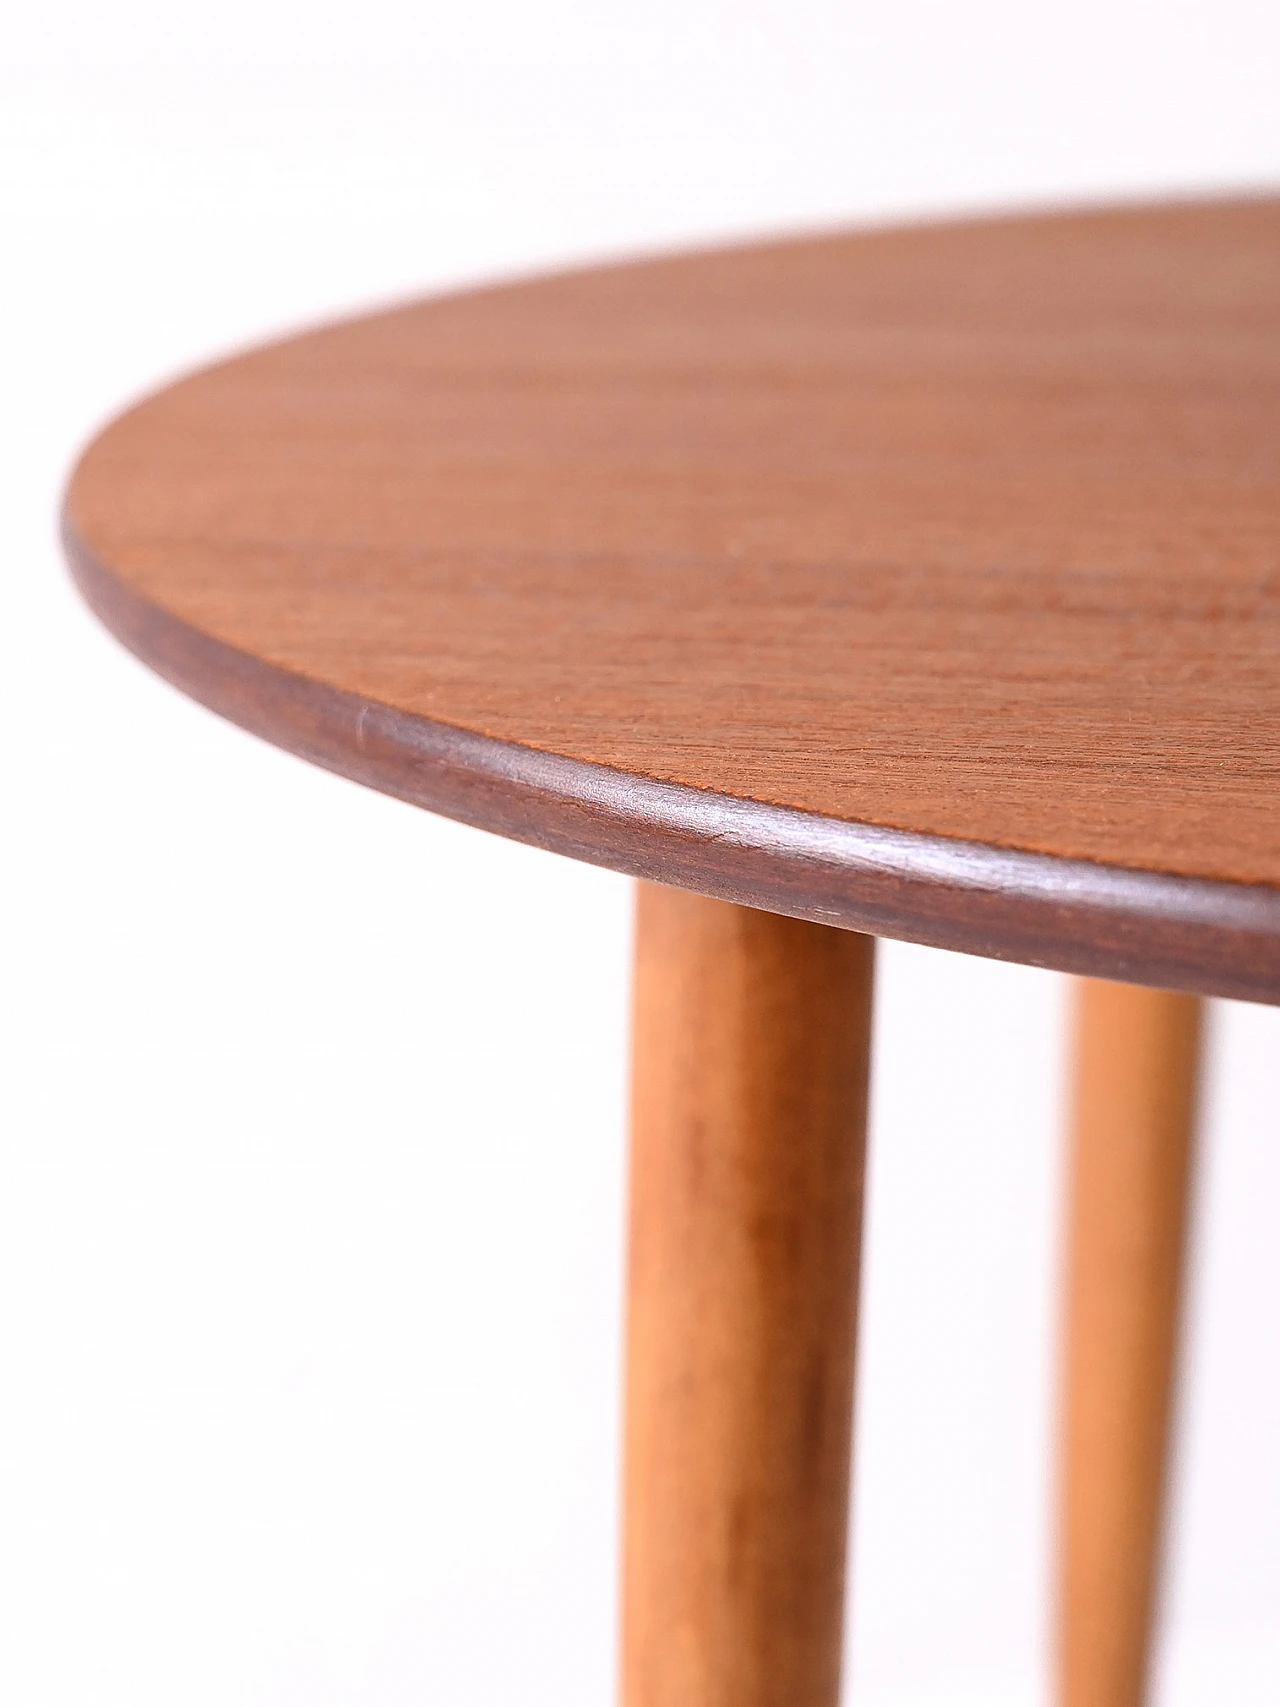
(1136, 1068)
(937, 566)
(751, 1044)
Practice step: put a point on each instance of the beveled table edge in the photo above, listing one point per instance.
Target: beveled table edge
(1214, 938)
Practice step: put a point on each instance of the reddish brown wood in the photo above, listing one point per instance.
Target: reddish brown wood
(751, 1043)
(1136, 1067)
(921, 581)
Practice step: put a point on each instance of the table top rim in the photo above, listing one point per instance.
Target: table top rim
(1167, 930)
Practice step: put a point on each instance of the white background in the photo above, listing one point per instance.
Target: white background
(311, 1164)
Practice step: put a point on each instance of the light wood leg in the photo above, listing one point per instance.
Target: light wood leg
(1135, 1093)
(750, 1077)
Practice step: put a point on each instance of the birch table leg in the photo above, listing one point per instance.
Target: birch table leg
(750, 1080)
(1135, 1089)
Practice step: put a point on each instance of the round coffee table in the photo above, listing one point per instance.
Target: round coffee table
(921, 583)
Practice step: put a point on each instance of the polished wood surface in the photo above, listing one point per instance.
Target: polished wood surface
(751, 1043)
(1136, 1062)
(922, 580)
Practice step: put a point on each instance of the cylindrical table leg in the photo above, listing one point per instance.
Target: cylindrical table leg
(748, 1126)
(1135, 1092)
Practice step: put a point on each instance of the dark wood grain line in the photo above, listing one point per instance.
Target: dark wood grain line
(1219, 939)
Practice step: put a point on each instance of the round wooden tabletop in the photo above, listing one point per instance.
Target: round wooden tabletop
(923, 581)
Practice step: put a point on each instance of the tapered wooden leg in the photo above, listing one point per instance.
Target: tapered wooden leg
(750, 1078)
(1135, 1092)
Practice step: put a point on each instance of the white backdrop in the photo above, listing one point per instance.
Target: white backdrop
(311, 1164)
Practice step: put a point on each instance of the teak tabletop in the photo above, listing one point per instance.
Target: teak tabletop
(919, 582)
